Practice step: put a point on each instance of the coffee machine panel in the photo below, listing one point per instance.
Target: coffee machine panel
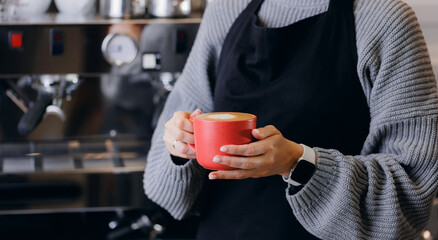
(45, 65)
(79, 103)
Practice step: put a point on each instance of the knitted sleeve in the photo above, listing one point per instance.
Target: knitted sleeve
(387, 191)
(175, 187)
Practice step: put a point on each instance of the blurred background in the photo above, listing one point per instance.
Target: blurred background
(82, 84)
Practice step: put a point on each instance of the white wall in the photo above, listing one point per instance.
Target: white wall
(427, 13)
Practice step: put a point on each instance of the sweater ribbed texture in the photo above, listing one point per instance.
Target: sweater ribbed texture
(384, 193)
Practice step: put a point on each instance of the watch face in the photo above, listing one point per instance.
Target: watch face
(303, 172)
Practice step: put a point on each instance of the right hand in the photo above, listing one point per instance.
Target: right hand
(180, 128)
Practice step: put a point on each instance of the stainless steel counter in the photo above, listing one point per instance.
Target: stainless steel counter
(72, 175)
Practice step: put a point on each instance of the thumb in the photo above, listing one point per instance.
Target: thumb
(265, 132)
(195, 113)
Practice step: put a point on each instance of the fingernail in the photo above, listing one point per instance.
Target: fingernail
(216, 160)
(212, 177)
(224, 149)
(257, 131)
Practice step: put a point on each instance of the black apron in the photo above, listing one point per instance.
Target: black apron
(300, 78)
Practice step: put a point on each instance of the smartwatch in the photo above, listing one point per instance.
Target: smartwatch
(304, 169)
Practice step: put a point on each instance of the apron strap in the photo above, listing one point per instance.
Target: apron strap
(254, 6)
(340, 6)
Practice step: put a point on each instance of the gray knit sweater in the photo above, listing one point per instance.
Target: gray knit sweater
(384, 193)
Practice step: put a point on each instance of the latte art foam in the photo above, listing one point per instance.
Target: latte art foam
(225, 116)
(221, 116)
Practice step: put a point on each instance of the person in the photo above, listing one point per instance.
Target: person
(351, 80)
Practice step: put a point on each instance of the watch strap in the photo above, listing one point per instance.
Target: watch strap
(308, 155)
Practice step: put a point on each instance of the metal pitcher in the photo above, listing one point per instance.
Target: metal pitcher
(170, 8)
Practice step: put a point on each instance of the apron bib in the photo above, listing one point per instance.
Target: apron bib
(302, 79)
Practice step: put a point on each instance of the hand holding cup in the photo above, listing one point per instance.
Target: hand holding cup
(178, 133)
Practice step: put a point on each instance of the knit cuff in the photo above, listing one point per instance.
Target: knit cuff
(316, 186)
(173, 186)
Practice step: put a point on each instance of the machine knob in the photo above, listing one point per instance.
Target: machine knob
(53, 110)
(142, 223)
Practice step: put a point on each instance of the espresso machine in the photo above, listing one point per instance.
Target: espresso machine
(79, 101)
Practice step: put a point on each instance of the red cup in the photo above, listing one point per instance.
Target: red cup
(214, 130)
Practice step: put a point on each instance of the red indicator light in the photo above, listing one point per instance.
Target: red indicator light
(57, 37)
(16, 40)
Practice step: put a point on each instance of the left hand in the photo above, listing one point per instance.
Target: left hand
(272, 155)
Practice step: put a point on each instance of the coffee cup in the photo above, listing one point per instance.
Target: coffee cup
(216, 129)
